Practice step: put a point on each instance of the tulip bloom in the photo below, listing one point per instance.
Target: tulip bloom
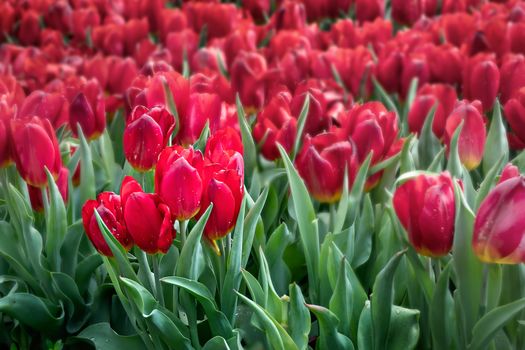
(34, 146)
(109, 208)
(146, 134)
(425, 206)
(178, 181)
(481, 80)
(248, 71)
(201, 108)
(509, 171)
(322, 162)
(35, 193)
(148, 220)
(222, 141)
(51, 106)
(275, 124)
(514, 111)
(223, 185)
(498, 230)
(88, 109)
(5, 144)
(471, 143)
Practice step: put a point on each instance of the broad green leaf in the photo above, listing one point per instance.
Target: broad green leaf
(250, 226)
(56, 223)
(487, 327)
(272, 303)
(385, 97)
(87, 173)
(489, 181)
(364, 234)
(301, 122)
(250, 154)
(306, 219)
(298, 317)
(77, 311)
(341, 303)
(342, 209)
(496, 146)
(358, 189)
(441, 312)
(454, 163)
(381, 301)
(428, 144)
(280, 274)
(329, 337)
(85, 271)
(216, 343)
(102, 337)
(254, 287)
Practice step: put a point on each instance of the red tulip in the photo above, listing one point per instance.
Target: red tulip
(223, 185)
(34, 146)
(35, 193)
(51, 106)
(178, 181)
(275, 124)
(179, 42)
(509, 171)
(389, 69)
(481, 80)
(498, 230)
(84, 19)
(7, 19)
(514, 111)
(317, 120)
(5, 138)
(409, 12)
(247, 78)
(29, 28)
(471, 143)
(322, 163)
(512, 76)
(414, 66)
(368, 10)
(441, 95)
(426, 208)
(200, 108)
(148, 220)
(218, 18)
(291, 15)
(87, 109)
(146, 134)
(222, 141)
(109, 208)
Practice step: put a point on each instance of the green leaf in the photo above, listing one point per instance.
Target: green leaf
(342, 209)
(364, 234)
(387, 100)
(216, 343)
(454, 163)
(441, 312)
(233, 277)
(250, 225)
(280, 274)
(275, 333)
(341, 303)
(411, 95)
(218, 322)
(200, 144)
(298, 317)
(272, 302)
(381, 301)
(489, 181)
(85, 271)
(329, 337)
(428, 144)
(33, 312)
(104, 338)
(76, 309)
(301, 122)
(250, 154)
(306, 219)
(487, 327)
(358, 189)
(56, 223)
(172, 106)
(496, 146)
(87, 173)
(254, 287)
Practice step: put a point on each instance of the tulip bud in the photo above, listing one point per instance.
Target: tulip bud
(509, 171)
(178, 181)
(29, 28)
(512, 76)
(34, 147)
(223, 185)
(498, 229)
(481, 80)
(425, 206)
(109, 208)
(514, 111)
(247, 73)
(146, 134)
(322, 163)
(317, 120)
(87, 109)
(35, 193)
(471, 143)
(222, 141)
(201, 108)
(148, 220)
(51, 106)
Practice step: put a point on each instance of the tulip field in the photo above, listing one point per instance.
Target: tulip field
(262, 174)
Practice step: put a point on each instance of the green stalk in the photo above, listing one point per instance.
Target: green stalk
(144, 266)
(156, 272)
(182, 227)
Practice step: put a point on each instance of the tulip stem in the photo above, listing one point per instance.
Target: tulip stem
(332, 217)
(484, 290)
(144, 266)
(436, 265)
(182, 227)
(156, 272)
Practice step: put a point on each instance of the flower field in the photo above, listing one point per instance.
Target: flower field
(262, 174)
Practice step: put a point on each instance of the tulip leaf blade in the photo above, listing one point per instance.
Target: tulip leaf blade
(200, 144)
(454, 162)
(383, 95)
(428, 144)
(307, 222)
(56, 223)
(411, 95)
(358, 188)
(216, 343)
(487, 327)
(382, 300)
(299, 322)
(329, 337)
(488, 181)
(250, 154)
(341, 303)
(497, 145)
(301, 122)
(250, 225)
(441, 308)
(172, 106)
(87, 172)
(102, 336)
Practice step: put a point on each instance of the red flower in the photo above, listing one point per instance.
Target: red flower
(247, 78)
(481, 80)
(200, 108)
(322, 162)
(471, 143)
(5, 136)
(34, 146)
(146, 134)
(510, 171)
(178, 181)
(35, 193)
(514, 111)
(317, 119)
(219, 19)
(426, 208)
(110, 210)
(221, 141)
(498, 229)
(51, 106)
(88, 109)
(148, 220)
(29, 28)
(409, 12)
(512, 76)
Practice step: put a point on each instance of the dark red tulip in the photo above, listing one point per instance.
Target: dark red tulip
(471, 143)
(146, 134)
(219, 19)
(409, 12)
(200, 109)
(443, 97)
(317, 119)
(514, 111)
(481, 80)
(179, 42)
(84, 20)
(425, 206)
(178, 181)
(223, 185)
(414, 66)
(275, 124)
(509, 171)
(389, 69)
(148, 220)
(109, 208)
(223, 140)
(498, 230)
(87, 108)
(51, 106)
(512, 76)
(322, 163)
(35, 193)
(247, 78)
(368, 10)
(29, 28)
(291, 15)
(34, 147)
(7, 19)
